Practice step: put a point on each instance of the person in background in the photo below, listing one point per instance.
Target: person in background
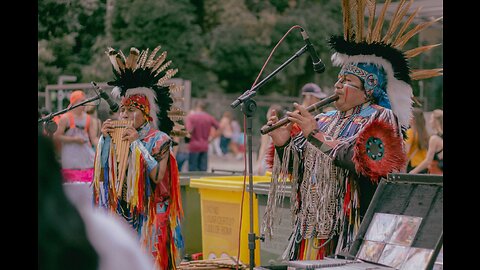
(433, 161)
(92, 110)
(199, 124)
(181, 149)
(237, 143)
(214, 143)
(77, 134)
(266, 141)
(226, 132)
(311, 94)
(416, 144)
(62, 237)
(74, 237)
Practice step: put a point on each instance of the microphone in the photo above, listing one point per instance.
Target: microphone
(113, 105)
(318, 65)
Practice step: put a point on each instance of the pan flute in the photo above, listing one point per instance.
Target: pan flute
(121, 149)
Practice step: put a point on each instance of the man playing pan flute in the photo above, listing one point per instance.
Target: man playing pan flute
(148, 194)
(335, 160)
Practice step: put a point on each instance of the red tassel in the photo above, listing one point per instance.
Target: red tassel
(269, 156)
(162, 242)
(175, 188)
(346, 202)
(321, 251)
(165, 223)
(302, 249)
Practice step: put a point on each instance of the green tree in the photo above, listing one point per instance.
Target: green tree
(171, 24)
(238, 41)
(220, 46)
(66, 32)
(244, 33)
(47, 72)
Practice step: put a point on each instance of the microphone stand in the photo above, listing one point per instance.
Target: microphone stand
(249, 107)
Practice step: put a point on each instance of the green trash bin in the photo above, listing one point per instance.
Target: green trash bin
(192, 235)
(271, 250)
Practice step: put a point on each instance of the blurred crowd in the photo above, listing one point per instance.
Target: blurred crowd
(221, 137)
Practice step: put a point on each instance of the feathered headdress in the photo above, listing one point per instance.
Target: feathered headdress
(144, 75)
(378, 59)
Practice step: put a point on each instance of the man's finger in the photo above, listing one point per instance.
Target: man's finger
(294, 120)
(301, 109)
(295, 114)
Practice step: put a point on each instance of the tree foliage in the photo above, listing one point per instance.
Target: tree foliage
(66, 32)
(220, 46)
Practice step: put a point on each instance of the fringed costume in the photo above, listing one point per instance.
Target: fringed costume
(154, 210)
(333, 183)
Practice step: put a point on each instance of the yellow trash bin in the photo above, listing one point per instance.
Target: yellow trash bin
(220, 203)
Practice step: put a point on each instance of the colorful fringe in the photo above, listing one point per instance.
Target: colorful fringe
(322, 232)
(160, 233)
(314, 249)
(170, 240)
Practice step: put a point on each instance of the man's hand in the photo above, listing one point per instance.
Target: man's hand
(130, 134)
(281, 135)
(107, 127)
(303, 119)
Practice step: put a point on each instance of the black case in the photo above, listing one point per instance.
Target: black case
(418, 195)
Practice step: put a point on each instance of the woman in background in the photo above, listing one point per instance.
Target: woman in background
(433, 162)
(266, 141)
(417, 140)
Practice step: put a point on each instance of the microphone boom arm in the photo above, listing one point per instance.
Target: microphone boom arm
(252, 92)
(51, 115)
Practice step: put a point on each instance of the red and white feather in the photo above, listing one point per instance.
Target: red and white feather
(394, 157)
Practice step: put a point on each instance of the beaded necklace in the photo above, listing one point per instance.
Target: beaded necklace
(342, 120)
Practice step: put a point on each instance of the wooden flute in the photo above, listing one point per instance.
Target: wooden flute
(316, 106)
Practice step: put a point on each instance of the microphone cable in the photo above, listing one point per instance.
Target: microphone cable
(245, 140)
